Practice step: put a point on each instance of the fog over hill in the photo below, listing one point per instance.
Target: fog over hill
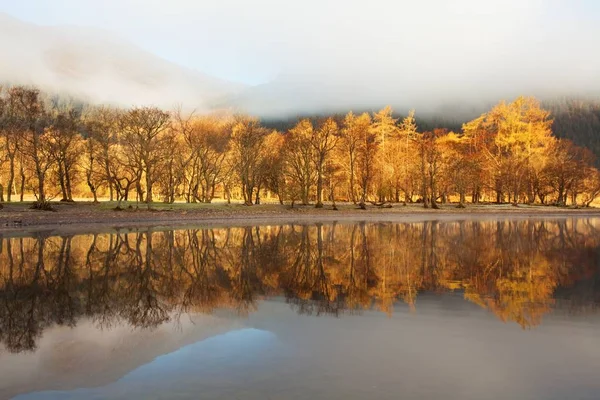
(100, 67)
(449, 60)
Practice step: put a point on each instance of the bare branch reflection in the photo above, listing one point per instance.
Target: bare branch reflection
(516, 269)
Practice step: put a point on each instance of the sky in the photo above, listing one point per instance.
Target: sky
(375, 48)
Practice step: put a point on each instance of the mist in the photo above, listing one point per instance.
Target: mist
(293, 58)
(97, 66)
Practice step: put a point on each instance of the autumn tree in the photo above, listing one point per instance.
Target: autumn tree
(431, 153)
(299, 158)
(101, 126)
(366, 157)
(3, 149)
(248, 150)
(407, 134)
(461, 171)
(10, 129)
(171, 166)
(206, 142)
(30, 119)
(124, 173)
(143, 131)
(64, 144)
(354, 131)
(212, 165)
(274, 166)
(323, 140)
(511, 136)
(590, 186)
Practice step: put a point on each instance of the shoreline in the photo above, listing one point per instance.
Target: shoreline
(17, 218)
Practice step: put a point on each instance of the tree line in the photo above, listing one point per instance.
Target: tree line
(56, 150)
(520, 270)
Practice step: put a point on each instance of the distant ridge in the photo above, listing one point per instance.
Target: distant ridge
(100, 67)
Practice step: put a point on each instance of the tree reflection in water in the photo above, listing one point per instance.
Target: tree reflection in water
(514, 268)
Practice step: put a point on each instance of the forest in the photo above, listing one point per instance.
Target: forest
(60, 150)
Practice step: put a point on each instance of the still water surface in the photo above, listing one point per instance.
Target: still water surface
(475, 309)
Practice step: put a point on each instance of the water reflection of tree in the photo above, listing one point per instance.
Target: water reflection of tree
(513, 268)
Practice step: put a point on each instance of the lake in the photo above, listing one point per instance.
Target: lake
(470, 309)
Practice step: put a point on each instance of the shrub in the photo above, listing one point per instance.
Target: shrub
(42, 205)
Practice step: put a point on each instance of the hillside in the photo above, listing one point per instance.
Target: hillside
(97, 66)
(578, 120)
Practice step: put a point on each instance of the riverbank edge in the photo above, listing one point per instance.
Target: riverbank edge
(18, 220)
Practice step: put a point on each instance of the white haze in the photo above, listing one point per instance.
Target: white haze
(318, 55)
(95, 66)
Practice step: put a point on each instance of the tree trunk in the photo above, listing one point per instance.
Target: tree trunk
(305, 195)
(22, 188)
(61, 181)
(140, 192)
(68, 184)
(91, 185)
(212, 192)
(93, 190)
(11, 177)
(352, 194)
(561, 195)
(108, 174)
(248, 195)
(434, 204)
(148, 187)
(319, 188)
(228, 194)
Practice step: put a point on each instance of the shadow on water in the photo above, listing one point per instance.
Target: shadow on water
(519, 270)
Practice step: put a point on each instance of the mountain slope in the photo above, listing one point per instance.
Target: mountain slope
(98, 67)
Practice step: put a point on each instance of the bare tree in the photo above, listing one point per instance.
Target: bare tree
(101, 128)
(248, 149)
(31, 120)
(64, 144)
(206, 142)
(142, 135)
(299, 159)
(9, 131)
